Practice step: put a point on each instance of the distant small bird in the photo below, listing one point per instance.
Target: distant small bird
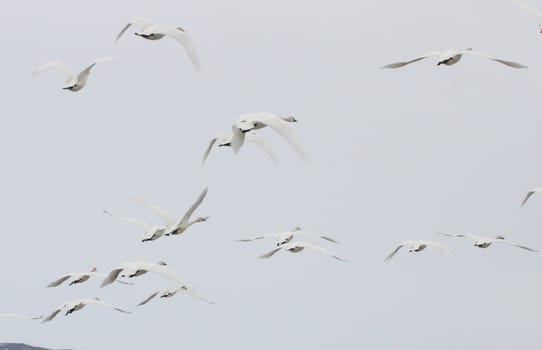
(19, 317)
(418, 246)
(152, 232)
(169, 292)
(536, 13)
(151, 31)
(175, 226)
(77, 305)
(484, 242)
(73, 83)
(451, 57)
(286, 236)
(296, 247)
(530, 193)
(253, 121)
(79, 277)
(138, 268)
(224, 140)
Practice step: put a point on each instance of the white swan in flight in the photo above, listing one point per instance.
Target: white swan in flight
(530, 193)
(79, 277)
(536, 13)
(224, 140)
(286, 236)
(296, 247)
(73, 83)
(152, 232)
(169, 292)
(418, 246)
(19, 317)
(175, 226)
(450, 57)
(77, 305)
(151, 31)
(138, 268)
(253, 121)
(484, 242)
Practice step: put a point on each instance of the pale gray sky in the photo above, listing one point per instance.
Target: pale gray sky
(394, 155)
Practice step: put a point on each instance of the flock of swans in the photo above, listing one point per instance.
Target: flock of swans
(243, 128)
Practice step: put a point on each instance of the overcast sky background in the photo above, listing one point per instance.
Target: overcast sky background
(394, 155)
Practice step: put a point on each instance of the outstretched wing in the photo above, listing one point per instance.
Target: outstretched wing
(208, 150)
(144, 225)
(165, 216)
(270, 254)
(529, 9)
(515, 245)
(284, 128)
(262, 236)
(506, 63)
(392, 254)
(148, 299)
(194, 206)
(471, 237)
(180, 35)
(51, 316)
(83, 76)
(441, 247)
(58, 281)
(260, 141)
(111, 277)
(137, 21)
(322, 250)
(402, 64)
(55, 64)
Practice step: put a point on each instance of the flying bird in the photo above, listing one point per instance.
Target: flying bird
(152, 232)
(19, 317)
(175, 226)
(73, 83)
(151, 31)
(451, 57)
(254, 121)
(286, 236)
(224, 140)
(530, 193)
(296, 247)
(79, 277)
(169, 292)
(138, 268)
(77, 305)
(484, 242)
(418, 246)
(534, 12)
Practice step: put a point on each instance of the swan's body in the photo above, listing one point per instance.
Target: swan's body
(418, 246)
(296, 247)
(151, 31)
(175, 226)
(19, 317)
(530, 193)
(73, 83)
(254, 121)
(77, 305)
(152, 232)
(534, 12)
(485, 242)
(451, 57)
(286, 236)
(224, 140)
(169, 292)
(138, 268)
(78, 277)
